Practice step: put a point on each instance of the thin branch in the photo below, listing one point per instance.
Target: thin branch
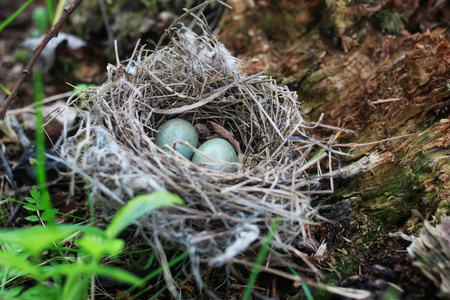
(68, 10)
(106, 22)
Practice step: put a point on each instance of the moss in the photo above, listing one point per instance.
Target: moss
(390, 191)
(275, 26)
(22, 55)
(444, 204)
(390, 21)
(346, 260)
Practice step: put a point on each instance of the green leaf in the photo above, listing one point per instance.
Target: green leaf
(15, 261)
(52, 292)
(260, 259)
(59, 213)
(50, 14)
(87, 270)
(14, 14)
(40, 19)
(138, 207)
(32, 218)
(58, 279)
(307, 292)
(35, 196)
(7, 247)
(30, 200)
(158, 271)
(49, 214)
(119, 275)
(76, 286)
(36, 239)
(11, 293)
(99, 245)
(31, 207)
(5, 89)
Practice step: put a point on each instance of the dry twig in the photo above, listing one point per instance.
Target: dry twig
(68, 10)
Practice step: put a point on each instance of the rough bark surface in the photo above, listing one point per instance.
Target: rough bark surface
(381, 69)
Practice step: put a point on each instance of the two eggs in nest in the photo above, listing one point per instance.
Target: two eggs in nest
(214, 154)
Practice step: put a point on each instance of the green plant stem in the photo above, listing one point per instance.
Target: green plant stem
(156, 295)
(50, 11)
(307, 292)
(66, 249)
(15, 14)
(5, 89)
(59, 11)
(137, 251)
(260, 259)
(77, 270)
(59, 213)
(39, 168)
(41, 175)
(156, 273)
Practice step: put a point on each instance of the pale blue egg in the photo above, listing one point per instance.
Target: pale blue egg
(177, 130)
(219, 150)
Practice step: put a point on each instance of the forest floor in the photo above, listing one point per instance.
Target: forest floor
(380, 82)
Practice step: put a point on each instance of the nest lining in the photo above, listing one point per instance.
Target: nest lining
(195, 78)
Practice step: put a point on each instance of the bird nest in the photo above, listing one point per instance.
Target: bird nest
(196, 79)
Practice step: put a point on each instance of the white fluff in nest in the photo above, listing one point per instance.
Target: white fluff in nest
(245, 236)
(216, 56)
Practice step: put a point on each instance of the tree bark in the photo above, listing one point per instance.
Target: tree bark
(380, 85)
(380, 68)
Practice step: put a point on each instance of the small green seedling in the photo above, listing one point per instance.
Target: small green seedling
(36, 203)
(260, 259)
(26, 252)
(82, 89)
(40, 21)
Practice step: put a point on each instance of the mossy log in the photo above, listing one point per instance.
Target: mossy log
(381, 69)
(344, 65)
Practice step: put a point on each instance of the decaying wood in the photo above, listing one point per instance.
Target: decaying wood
(379, 85)
(346, 62)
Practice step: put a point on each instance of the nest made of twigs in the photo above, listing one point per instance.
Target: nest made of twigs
(195, 78)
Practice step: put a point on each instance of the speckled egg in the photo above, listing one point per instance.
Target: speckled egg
(219, 150)
(177, 130)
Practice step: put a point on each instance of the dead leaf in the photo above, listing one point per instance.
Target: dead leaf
(225, 134)
(204, 133)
